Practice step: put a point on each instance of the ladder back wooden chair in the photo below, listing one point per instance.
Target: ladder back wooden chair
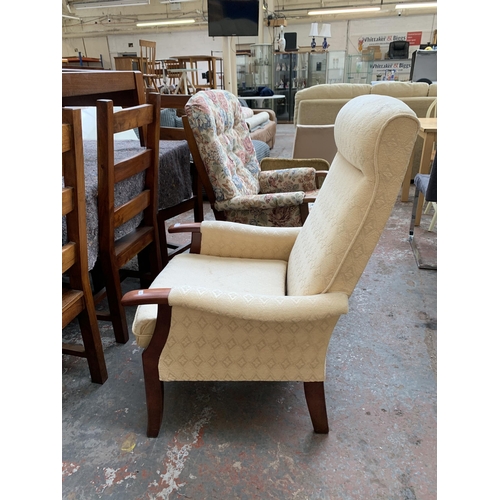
(77, 299)
(195, 202)
(148, 65)
(143, 240)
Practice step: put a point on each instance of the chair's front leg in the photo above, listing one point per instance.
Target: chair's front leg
(315, 398)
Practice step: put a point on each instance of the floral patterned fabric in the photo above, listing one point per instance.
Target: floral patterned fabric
(243, 192)
(224, 143)
(289, 180)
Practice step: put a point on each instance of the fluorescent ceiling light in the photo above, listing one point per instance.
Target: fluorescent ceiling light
(109, 4)
(177, 1)
(342, 11)
(161, 23)
(71, 17)
(422, 5)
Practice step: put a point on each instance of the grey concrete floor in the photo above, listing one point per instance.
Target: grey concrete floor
(255, 440)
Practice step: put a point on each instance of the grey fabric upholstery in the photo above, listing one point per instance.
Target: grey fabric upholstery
(427, 183)
(262, 150)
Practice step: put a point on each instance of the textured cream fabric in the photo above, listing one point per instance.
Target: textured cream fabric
(216, 275)
(204, 346)
(401, 89)
(356, 198)
(229, 239)
(320, 104)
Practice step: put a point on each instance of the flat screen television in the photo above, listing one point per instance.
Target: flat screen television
(233, 17)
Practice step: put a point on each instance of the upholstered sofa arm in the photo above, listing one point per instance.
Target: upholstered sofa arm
(231, 239)
(265, 308)
(304, 310)
(272, 114)
(282, 163)
(261, 201)
(287, 180)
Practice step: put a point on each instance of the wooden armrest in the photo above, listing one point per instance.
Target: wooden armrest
(149, 296)
(320, 177)
(309, 199)
(194, 228)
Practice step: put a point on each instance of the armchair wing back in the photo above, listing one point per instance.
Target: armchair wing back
(224, 143)
(357, 196)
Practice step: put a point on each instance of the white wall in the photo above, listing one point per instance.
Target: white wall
(344, 37)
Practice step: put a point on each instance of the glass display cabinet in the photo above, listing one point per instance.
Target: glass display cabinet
(317, 68)
(335, 66)
(290, 75)
(360, 68)
(262, 59)
(243, 73)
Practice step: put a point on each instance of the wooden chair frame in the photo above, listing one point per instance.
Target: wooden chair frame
(195, 202)
(148, 65)
(77, 299)
(143, 241)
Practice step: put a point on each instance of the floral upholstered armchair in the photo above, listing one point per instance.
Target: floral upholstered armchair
(261, 303)
(276, 192)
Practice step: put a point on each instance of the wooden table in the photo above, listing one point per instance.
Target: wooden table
(211, 62)
(259, 100)
(428, 132)
(185, 84)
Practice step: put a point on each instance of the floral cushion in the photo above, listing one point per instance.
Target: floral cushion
(288, 180)
(224, 143)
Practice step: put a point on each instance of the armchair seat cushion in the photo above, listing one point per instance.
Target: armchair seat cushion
(229, 275)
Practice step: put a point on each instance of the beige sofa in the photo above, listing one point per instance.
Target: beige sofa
(320, 104)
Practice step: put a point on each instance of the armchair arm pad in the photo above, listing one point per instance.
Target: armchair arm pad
(282, 163)
(272, 114)
(261, 201)
(261, 307)
(287, 180)
(230, 239)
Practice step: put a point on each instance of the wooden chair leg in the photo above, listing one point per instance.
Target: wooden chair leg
(116, 310)
(152, 382)
(154, 395)
(93, 346)
(315, 398)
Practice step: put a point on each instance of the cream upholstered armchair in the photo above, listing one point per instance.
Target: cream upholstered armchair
(261, 303)
(276, 192)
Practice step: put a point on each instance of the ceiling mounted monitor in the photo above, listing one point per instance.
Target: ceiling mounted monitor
(233, 18)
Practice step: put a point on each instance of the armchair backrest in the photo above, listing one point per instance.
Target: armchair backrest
(224, 143)
(375, 136)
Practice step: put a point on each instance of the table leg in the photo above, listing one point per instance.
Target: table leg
(405, 190)
(425, 167)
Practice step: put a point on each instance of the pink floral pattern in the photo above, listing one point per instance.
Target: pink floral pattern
(242, 191)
